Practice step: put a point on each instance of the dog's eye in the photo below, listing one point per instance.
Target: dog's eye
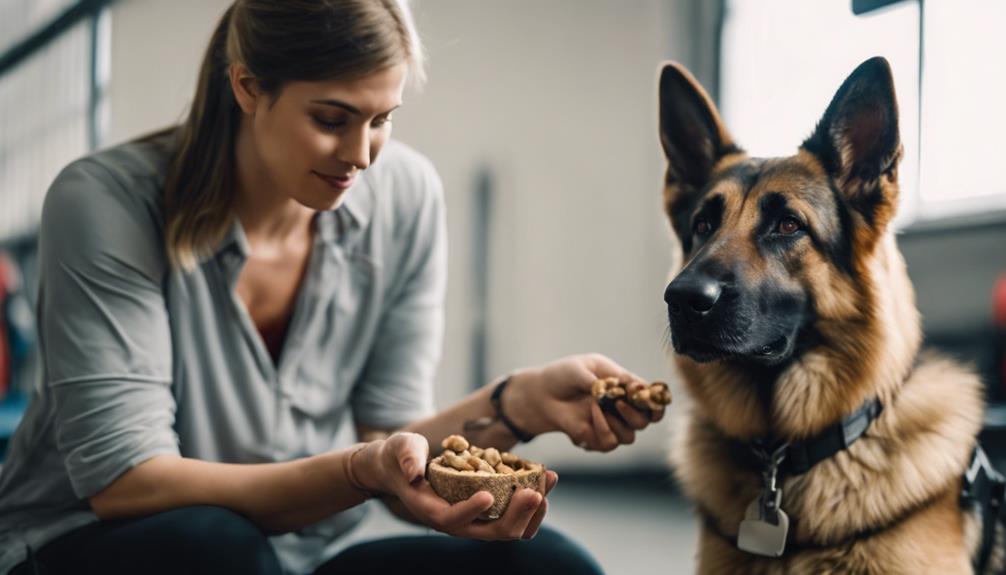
(702, 227)
(789, 226)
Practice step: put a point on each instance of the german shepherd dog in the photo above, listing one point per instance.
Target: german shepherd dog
(819, 439)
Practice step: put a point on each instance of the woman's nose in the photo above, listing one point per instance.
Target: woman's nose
(355, 149)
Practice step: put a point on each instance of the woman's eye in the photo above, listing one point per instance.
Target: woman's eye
(702, 227)
(329, 124)
(788, 226)
(378, 122)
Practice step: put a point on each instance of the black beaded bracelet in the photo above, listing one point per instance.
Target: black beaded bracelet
(496, 400)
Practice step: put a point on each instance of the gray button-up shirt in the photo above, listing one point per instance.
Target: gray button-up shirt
(141, 360)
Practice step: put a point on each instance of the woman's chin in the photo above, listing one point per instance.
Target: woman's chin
(322, 203)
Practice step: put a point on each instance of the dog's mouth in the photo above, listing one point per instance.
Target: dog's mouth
(701, 351)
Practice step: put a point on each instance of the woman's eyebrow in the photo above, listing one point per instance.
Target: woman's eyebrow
(338, 104)
(347, 106)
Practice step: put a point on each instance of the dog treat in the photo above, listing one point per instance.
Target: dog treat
(451, 459)
(464, 469)
(608, 390)
(455, 443)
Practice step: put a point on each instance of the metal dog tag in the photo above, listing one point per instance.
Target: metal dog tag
(760, 536)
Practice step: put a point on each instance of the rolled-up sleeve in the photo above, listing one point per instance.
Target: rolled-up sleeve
(397, 383)
(104, 326)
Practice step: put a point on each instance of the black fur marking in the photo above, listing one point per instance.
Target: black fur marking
(681, 217)
(773, 207)
(862, 118)
(688, 199)
(712, 211)
(839, 248)
(690, 130)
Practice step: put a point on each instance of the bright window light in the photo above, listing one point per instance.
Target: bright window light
(963, 106)
(782, 62)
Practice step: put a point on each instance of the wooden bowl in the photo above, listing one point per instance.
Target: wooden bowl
(455, 486)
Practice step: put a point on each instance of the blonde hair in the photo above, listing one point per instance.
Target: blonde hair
(278, 42)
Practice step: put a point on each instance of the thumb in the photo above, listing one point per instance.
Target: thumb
(412, 453)
(603, 366)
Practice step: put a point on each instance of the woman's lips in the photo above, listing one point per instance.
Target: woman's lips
(338, 182)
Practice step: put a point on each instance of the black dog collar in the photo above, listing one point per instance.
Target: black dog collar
(799, 457)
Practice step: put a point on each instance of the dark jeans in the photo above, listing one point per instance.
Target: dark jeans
(205, 540)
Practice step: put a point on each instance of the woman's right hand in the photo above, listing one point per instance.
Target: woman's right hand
(396, 466)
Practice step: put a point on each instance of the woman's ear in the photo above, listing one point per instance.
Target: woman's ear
(245, 87)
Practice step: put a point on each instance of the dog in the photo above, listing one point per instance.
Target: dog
(819, 438)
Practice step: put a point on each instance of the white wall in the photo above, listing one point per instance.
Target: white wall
(157, 47)
(558, 99)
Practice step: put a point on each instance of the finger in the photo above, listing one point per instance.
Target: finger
(515, 520)
(633, 417)
(572, 422)
(623, 432)
(412, 454)
(464, 513)
(606, 440)
(604, 366)
(657, 414)
(548, 481)
(532, 527)
(551, 478)
(432, 510)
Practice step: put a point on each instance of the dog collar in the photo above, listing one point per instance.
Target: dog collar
(801, 456)
(798, 457)
(765, 527)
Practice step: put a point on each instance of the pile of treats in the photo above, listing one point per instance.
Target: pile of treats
(460, 455)
(655, 396)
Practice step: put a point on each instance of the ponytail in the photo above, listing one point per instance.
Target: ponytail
(198, 189)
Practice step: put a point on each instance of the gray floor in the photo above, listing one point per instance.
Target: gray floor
(630, 524)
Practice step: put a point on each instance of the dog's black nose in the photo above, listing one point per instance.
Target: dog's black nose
(693, 294)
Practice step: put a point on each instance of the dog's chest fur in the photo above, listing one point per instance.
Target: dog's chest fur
(902, 476)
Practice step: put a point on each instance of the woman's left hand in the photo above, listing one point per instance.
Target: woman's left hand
(557, 397)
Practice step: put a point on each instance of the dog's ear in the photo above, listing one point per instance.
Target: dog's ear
(691, 132)
(858, 144)
(693, 138)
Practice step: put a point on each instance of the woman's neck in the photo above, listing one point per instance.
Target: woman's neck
(268, 216)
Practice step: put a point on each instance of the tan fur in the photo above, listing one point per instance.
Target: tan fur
(902, 476)
(915, 452)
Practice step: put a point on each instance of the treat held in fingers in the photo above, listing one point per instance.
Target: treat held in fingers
(652, 397)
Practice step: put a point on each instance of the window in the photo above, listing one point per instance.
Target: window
(19, 18)
(782, 61)
(963, 111)
(51, 99)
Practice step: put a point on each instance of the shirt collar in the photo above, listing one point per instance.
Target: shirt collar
(234, 241)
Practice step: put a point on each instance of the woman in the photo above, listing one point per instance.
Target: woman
(218, 299)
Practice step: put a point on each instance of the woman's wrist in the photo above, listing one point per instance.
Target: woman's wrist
(363, 468)
(522, 401)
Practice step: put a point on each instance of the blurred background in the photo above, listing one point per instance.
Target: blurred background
(541, 117)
